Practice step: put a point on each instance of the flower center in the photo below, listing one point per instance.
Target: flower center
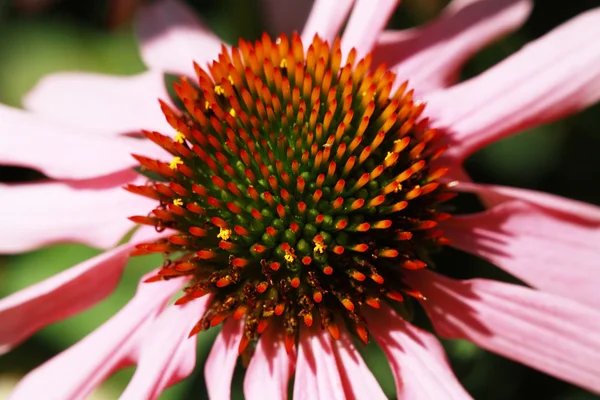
(300, 188)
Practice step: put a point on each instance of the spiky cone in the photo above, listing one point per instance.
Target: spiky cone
(300, 188)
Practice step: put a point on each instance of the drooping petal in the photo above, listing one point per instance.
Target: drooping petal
(93, 212)
(35, 142)
(172, 37)
(357, 379)
(269, 370)
(220, 364)
(431, 56)
(496, 194)
(62, 295)
(316, 367)
(74, 373)
(550, 333)
(167, 354)
(417, 359)
(366, 22)
(285, 16)
(555, 252)
(326, 19)
(102, 104)
(523, 91)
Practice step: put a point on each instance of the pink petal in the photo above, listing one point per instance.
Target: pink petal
(269, 370)
(430, 56)
(285, 16)
(102, 104)
(220, 364)
(172, 37)
(93, 212)
(75, 372)
(554, 76)
(357, 379)
(326, 19)
(48, 147)
(495, 194)
(62, 295)
(316, 367)
(550, 333)
(417, 359)
(167, 354)
(366, 22)
(554, 252)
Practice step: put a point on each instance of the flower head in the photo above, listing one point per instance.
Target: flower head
(299, 188)
(296, 191)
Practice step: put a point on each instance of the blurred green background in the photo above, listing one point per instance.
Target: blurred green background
(96, 36)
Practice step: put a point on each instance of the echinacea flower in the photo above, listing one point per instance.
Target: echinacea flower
(296, 193)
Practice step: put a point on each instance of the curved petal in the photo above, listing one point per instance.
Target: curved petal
(430, 57)
(93, 212)
(285, 16)
(269, 370)
(417, 359)
(75, 372)
(554, 252)
(34, 142)
(357, 378)
(326, 19)
(367, 21)
(102, 104)
(220, 364)
(549, 78)
(172, 37)
(316, 367)
(61, 296)
(496, 194)
(552, 334)
(167, 354)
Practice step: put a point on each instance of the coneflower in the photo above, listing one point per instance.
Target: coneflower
(296, 192)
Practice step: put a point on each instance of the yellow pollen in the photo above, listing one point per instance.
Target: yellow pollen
(398, 188)
(363, 94)
(219, 90)
(230, 79)
(388, 155)
(319, 247)
(206, 105)
(232, 112)
(179, 137)
(175, 162)
(224, 234)
(283, 63)
(289, 255)
(178, 202)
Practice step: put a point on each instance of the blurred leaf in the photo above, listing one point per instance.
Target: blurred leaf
(20, 271)
(462, 349)
(113, 386)
(30, 49)
(522, 159)
(378, 364)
